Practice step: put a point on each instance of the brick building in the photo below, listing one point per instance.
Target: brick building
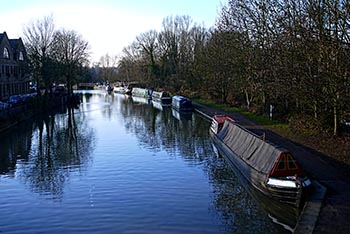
(14, 75)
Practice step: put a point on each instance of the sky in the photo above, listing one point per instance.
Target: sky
(107, 25)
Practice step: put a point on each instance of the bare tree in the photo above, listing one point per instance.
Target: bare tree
(130, 64)
(38, 39)
(174, 42)
(108, 65)
(72, 52)
(148, 44)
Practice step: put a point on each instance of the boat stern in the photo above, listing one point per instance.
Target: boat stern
(218, 122)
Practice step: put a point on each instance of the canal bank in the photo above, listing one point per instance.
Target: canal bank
(328, 209)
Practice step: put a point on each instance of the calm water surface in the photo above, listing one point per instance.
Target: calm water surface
(120, 165)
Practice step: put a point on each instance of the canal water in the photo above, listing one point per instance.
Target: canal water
(119, 164)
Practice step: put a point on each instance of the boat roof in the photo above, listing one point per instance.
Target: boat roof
(258, 153)
(222, 118)
(178, 97)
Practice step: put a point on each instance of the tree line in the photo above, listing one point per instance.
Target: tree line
(289, 55)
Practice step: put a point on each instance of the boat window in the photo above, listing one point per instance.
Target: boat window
(291, 163)
(281, 163)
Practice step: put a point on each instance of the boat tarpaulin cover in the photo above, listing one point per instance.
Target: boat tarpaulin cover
(259, 154)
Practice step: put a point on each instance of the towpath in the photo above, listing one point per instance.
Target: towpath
(334, 214)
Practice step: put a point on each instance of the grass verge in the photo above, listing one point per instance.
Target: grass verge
(334, 147)
(257, 118)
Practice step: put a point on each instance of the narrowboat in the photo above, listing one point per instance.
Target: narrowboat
(162, 97)
(181, 103)
(141, 92)
(121, 89)
(269, 168)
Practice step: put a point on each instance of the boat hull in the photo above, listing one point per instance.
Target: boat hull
(292, 196)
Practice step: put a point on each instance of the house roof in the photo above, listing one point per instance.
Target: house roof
(14, 43)
(1, 36)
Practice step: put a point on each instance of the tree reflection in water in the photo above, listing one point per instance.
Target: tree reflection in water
(53, 148)
(15, 146)
(60, 144)
(188, 136)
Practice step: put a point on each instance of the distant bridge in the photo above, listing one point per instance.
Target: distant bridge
(86, 86)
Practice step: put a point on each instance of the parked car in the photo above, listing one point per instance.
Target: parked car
(15, 100)
(26, 97)
(4, 106)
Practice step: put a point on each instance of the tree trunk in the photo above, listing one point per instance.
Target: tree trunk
(247, 99)
(335, 116)
(314, 107)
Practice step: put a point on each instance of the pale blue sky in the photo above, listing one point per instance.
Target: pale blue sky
(108, 25)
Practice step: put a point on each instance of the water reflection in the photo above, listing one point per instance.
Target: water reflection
(43, 151)
(47, 153)
(187, 133)
(182, 116)
(15, 146)
(157, 129)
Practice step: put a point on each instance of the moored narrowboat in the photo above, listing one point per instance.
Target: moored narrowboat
(181, 103)
(162, 97)
(141, 92)
(121, 89)
(269, 168)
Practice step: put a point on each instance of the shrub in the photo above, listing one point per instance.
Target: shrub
(305, 124)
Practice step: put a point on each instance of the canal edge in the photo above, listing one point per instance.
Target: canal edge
(307, 221)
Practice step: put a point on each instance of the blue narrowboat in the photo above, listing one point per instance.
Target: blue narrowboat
(181, 103)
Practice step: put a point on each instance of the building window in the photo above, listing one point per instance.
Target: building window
(6, 53)
(20, 57)
(7, 70)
